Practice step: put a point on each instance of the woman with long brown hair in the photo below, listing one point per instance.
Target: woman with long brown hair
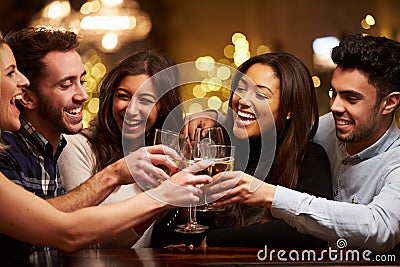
(272, 119)
(151, 101)
(273, 87)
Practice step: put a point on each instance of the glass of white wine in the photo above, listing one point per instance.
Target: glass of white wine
(223, 159)
(186, 152)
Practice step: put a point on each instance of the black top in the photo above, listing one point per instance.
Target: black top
(314, 178)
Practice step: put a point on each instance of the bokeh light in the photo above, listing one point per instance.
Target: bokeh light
(316, 81)
(214, 102)
(195, 108)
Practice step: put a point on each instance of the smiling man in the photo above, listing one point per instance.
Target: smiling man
(50, 106)
(362, 141)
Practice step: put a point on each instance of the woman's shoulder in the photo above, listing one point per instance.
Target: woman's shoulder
(80, 138)
(315, 159)
(313, 148)
(77, 145)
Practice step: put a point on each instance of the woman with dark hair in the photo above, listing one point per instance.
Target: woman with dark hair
(152, 100)
(278, 87)
(272, 118)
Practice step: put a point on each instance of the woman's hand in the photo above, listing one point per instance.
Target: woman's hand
(204, 119)
(141, 165)
(181, 189)
(237, 186)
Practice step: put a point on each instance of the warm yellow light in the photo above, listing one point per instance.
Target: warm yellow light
(369, 19)
(224, 61)
(316, 81)
(195, 108)
(205, 63)
(198, 91)
(225, 106)
(239, 58)
(95, 59)
(214, 102)
(109, 41)
(226, 92)
(93, 105)
(214, 83)
(90, 7)
(365, 25)
(223, 73)
(242, 44)
(237, 36)
(263, 49)
(86, 118)
(57, 9)
(112, 2)
(99, 70)
(108, 23)
(205, 85)
(90, 84)
(229, 50)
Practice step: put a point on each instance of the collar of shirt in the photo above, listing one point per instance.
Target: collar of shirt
(391, 136)
(29, 132)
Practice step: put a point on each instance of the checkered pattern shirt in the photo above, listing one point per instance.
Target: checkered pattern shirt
(29, 161)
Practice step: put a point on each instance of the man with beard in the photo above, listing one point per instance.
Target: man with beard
(362, 141)
(51, 106)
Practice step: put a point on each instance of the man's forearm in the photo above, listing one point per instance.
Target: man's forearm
(90, 193)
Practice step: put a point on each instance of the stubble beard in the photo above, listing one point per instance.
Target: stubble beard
(55, 116)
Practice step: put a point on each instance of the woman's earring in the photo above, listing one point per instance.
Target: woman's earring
(288, 117)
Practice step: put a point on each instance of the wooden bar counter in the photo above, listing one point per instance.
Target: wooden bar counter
(200, 257)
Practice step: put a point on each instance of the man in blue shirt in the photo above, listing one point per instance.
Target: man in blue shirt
(362, 141)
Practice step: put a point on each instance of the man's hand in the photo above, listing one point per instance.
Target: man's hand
(237, 186)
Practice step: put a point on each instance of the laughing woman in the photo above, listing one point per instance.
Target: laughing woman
(278, 87)
(100, 145)
(270, 89)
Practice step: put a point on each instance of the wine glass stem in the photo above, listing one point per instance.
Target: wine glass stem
(194, 219)
(189, 221)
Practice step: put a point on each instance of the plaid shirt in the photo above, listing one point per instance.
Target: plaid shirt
(29, 161)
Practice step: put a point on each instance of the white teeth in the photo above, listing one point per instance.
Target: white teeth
(133, 122)
(14, 98)
(342, 122)
(75, 110)
(246, 115)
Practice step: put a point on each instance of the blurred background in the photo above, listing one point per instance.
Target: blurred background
(223, 31)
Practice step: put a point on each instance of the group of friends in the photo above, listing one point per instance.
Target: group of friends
(334, 176)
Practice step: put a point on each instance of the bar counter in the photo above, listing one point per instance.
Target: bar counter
(215, 256)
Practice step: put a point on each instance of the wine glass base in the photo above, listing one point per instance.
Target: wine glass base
(209, 208)
(191, 229)
(193, 226)
(188, 231)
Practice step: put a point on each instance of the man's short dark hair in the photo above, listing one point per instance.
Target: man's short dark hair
(377, 57)
(31, 45)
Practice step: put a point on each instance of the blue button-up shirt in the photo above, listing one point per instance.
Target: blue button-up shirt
(366, 210)
(29, 161)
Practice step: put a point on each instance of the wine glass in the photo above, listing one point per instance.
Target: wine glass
(213, 135)
(222, 157)
(192, 226)
(208, 136)
(176, 141)
(181, 144)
